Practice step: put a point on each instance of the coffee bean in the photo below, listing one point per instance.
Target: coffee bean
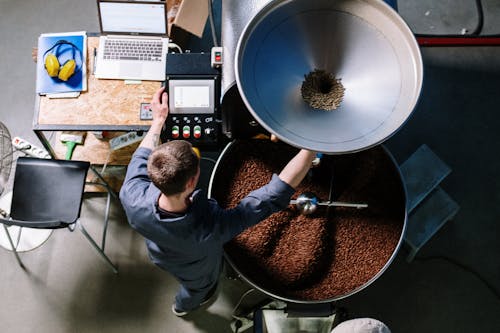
(321, 90)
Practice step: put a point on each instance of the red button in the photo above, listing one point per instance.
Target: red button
(185, 134)
(197, 131)
(175, 132)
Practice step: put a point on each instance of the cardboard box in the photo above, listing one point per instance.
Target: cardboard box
(186, 17)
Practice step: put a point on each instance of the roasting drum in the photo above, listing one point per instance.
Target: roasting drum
(223, 174)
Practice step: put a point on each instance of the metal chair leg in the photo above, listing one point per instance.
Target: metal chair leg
(95, 246)
(106, 219)
(104, 182)
(13, 247)
(106, 213)
(110, 194)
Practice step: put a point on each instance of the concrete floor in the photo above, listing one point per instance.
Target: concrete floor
(69, 289)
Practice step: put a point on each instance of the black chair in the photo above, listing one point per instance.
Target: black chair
(48, 194)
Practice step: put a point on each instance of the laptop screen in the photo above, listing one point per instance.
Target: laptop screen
(125, 17)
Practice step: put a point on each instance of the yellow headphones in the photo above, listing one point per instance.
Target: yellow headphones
(53, 65)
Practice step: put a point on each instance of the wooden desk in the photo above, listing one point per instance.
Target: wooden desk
(107, 105)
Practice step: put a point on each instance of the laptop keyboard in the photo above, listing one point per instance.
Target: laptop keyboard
(125, 49)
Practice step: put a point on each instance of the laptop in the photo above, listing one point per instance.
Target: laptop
(134, 41)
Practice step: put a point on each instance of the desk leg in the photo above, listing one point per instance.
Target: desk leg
(46, 144)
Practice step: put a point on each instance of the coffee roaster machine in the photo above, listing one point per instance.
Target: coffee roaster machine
(269, 46)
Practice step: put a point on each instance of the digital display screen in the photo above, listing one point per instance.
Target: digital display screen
(191, 97)
(125, 17)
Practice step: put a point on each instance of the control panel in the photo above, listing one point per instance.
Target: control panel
(193, 96)
(196, 128)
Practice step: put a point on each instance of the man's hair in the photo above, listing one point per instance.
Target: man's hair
(171, 165)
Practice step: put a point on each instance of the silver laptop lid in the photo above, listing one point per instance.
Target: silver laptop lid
(148, 18)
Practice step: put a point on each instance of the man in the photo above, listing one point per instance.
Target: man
(185, 232)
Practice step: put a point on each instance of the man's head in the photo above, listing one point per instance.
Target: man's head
(172, 166)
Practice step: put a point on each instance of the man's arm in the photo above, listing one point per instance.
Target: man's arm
(270, 198)
(159, 106)
(297, 168)
(136, 180)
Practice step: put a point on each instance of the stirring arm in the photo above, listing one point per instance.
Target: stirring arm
(332, 203)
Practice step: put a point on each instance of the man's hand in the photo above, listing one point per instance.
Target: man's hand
(159, 106)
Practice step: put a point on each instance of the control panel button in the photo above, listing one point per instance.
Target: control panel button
(175, 132)
(186, 132)
(199, 129)
(197, 132)
(216, 57)
(209, 131)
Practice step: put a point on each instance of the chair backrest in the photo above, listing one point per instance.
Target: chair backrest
(48, 189)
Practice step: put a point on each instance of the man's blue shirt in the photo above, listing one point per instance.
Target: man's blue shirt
(191, 246)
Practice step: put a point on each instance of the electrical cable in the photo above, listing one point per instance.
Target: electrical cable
(95, 179)
(480, 21)
(245, 294)
(490, 287)
(212, 23)
(105, 163)
(172, 45)
(209, 159)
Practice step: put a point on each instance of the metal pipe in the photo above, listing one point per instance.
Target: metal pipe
(430, 41)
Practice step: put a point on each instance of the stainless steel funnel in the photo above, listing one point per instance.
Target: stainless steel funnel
(365, 43)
